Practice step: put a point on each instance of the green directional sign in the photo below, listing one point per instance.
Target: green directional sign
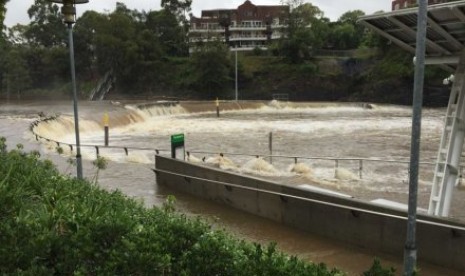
(177, 139)
(177, 146)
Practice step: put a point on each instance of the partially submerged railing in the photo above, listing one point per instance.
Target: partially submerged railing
(296, 159)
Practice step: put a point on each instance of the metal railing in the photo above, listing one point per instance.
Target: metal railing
(306, 199)
(295, 158)
(337, 160)
(97, 148)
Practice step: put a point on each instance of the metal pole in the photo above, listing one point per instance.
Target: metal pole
(410, 251)
(75, 103)
(106, 128)
(360, 168)
(270, 146)
(8, 87)
(237, 88)
(336, 167)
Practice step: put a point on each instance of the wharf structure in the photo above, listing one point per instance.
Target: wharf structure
(245, 28)
(445, 47)
(404, 4)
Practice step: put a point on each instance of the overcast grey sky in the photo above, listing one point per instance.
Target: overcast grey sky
(17, 9)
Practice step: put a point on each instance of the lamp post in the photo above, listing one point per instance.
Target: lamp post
(410, 250)
(236, 80)
(69, 18)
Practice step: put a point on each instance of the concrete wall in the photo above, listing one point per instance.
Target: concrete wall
(359, 223)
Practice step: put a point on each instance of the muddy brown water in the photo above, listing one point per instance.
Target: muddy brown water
(312, 129)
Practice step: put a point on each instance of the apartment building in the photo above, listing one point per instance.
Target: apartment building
(403, 4)
(247, 27)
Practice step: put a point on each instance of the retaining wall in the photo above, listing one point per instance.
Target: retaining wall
(440, 242)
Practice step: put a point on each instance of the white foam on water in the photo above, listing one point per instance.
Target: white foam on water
(146, 114)
(62, 128)
(191, 158)
(325, 120)
(261, 167)
(345, 174)
(300, 168)
(222, 163)
(138, 157)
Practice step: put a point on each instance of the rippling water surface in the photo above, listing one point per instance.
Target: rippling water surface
(314, 135)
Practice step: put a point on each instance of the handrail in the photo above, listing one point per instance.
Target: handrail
(342, 206)
(97, 147)
(327, 158)
(361, 160)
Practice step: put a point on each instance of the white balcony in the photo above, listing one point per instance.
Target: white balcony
(247, 38)
(278, 26)
(205, 30)
(234, 28)
(247, 28)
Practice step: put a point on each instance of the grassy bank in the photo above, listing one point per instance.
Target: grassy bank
(51, 224)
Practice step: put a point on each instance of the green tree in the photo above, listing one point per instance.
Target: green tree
(3, 56)
(2, 13)
(88, 27)
(17, 75)
(351, 17)
(305, 32)
(115, 47)
(46, 28)
(164, 25)
(177, 7)
(344, 37)
(346, 33)
(3, 53)
(210, 68)
(46, 66)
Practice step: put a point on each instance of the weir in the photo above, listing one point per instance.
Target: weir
(445, 48)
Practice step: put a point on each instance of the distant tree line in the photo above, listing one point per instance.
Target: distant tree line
(148, 52)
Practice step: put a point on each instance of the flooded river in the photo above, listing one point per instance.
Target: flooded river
(348, 148)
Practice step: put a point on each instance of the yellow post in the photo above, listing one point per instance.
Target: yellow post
(106, 123)
(106, 119)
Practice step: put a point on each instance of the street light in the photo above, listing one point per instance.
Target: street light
(236, 80)
(69, 17)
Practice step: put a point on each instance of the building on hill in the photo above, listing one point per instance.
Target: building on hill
(403, 4)
(245, 28)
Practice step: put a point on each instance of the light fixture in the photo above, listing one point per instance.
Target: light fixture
(68, 10)
(448, 80)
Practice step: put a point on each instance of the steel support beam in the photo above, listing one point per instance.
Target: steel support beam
(450, 150)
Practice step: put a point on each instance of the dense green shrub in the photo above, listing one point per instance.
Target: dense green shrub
(378, 270)
(52, 224)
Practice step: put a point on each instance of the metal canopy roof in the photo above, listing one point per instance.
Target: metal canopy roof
(445, 33)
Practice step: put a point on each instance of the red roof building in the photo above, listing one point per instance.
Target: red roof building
(403, 4)
(244, 28)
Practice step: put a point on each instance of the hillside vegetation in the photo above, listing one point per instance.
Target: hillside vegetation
(148, 54)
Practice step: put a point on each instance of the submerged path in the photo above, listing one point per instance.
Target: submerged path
(137, 180)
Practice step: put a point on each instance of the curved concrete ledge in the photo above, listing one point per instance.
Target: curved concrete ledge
(349, 220)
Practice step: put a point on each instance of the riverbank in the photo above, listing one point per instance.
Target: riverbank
(53, 224)
(137, 180)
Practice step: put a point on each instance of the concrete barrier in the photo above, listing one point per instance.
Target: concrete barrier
(440, 242)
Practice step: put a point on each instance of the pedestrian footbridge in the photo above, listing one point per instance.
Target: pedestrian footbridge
(445, 47)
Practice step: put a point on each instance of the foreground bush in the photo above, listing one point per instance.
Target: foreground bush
(51, 224)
